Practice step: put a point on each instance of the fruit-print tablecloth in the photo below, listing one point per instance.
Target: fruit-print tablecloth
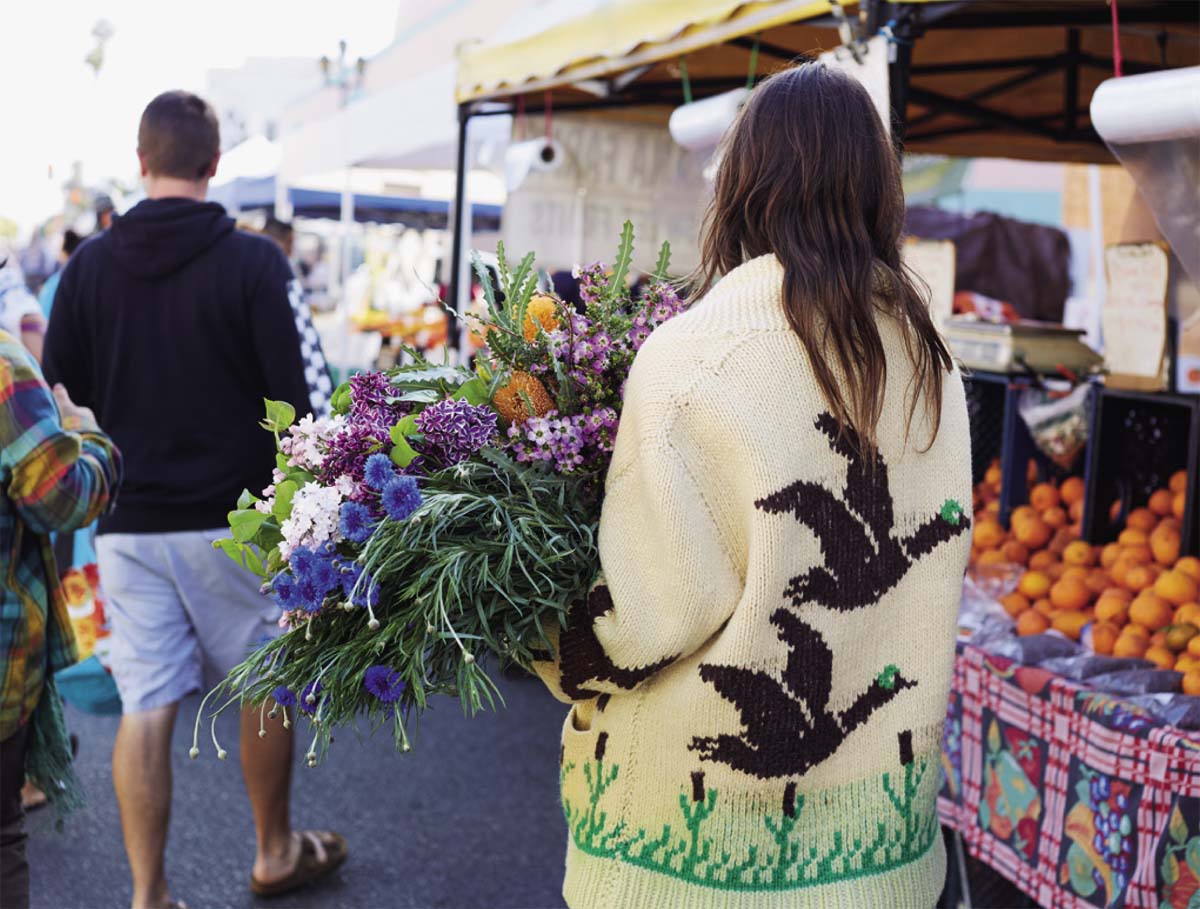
(1079, 798)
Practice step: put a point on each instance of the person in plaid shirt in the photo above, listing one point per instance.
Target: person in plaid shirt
(58, 472)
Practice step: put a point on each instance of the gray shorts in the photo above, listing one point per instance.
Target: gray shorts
(182, 614)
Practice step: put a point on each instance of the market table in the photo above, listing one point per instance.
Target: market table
(1079, 798)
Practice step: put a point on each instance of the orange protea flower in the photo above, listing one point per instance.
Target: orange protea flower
(540, 315)
(510, 401)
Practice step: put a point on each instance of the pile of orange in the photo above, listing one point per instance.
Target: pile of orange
(1138, 594)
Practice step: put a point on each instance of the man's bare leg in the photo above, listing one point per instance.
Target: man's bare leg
(267, 768)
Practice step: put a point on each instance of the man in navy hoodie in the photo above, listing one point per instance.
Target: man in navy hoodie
(173, 327)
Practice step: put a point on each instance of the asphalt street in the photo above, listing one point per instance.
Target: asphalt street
(470, 818)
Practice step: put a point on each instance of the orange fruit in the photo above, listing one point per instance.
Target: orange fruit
(1141, 519)
(1129, 645)
(1189, 565)
(988, 534)
(1191, 682)
(1031, 471)
(1109, 554)
(1014, 603)
(1160, 657)
(1078, 552)
(1114, 510)
(1133, 536)
(1070, 623)
(1177, 636)
(1177, 588)
(1185, 662)
(1072, 490)
(1022, 513)
(1160, 502)
(1104, 636)
(1138, 578)
(1041, 560)
(1188, 612)
(1164, 546)
(1150, 611)
(992, 557)
(1045, 607)
(1031, 622)
(1138, 552)
(1055, 517)
(1193, 647)
(1076, 512)
(1043, 496)
(1014, 552)
(1178, 482)
(1034, 584)
(1070, 593)
(1112, 609)
(1177, 505)
(1098, 580)
(1075, 571)
(1032, 533)
(992, 476)
(992, 507)
(1056, 571)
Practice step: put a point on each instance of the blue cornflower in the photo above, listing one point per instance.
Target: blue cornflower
(401, 498)
(283, 586)
(303, 561)
(309, 596)
(384, 683)
(378, 471)
(284, 696)
(355, 522)
(310, 697)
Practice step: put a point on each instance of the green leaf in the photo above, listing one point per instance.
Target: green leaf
(425, 375)
(403, 453)
(1193, 855)
(421, 396)
(340, 402)
(231, 548)
(1080, 868)
(1177, 828)
(283, 499)
(1194, 900)
(281, 461)
(664, 262)
(485, 281)
(246, 499)
(616, 284)
(245, 523)
(280, 415)
(1170, 869)
(474, 392)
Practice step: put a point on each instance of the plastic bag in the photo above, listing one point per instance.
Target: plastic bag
(1059, 425)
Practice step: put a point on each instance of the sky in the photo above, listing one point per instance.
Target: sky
(56, 111)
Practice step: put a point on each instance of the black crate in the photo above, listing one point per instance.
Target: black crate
(986, 395)
(1137, 442)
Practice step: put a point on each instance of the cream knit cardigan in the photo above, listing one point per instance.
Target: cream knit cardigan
(759, 683)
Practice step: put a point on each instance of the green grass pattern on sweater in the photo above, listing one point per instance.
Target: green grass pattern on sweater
(905, 829)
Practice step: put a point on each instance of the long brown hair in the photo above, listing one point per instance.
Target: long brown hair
(808, 173)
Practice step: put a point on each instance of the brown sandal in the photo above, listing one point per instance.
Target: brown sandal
(321, 854)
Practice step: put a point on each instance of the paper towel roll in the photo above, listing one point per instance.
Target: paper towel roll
(700, 125)
(1153, 107)
(541, 155)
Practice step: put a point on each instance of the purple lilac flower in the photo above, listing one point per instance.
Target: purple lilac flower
(384, 683)
(370, 394)
(378, 471)
(455, 430)
(349, 450)
(284, 696)
(401, 498)
(355, 522)
(310, 697)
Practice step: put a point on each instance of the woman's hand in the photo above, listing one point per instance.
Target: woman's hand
(74, 417)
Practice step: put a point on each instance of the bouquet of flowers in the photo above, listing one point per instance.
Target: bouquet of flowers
(441, 514)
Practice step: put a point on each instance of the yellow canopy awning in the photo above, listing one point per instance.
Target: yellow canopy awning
(618, 36)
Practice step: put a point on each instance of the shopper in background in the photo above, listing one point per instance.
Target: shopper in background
(102, 204)
(174, 327)
(57, 473)
(70, 243)
(20, 314)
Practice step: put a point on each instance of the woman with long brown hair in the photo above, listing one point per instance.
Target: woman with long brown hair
(759, 680)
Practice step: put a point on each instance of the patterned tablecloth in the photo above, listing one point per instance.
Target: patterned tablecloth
(1079, 798)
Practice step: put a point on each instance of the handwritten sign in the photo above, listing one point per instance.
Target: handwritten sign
(1135, 315)
(612, 171)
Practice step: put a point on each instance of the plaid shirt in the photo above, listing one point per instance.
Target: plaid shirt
(52, 479)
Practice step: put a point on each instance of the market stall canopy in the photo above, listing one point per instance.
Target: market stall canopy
(986, 78)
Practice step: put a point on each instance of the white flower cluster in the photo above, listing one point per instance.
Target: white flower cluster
(307, 441)
(314, 518)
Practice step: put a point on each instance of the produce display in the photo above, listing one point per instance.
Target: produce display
(1134, 597)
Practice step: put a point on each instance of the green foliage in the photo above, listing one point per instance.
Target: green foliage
(620, 271)
(664, 262)
(402, 453)
(280, 416)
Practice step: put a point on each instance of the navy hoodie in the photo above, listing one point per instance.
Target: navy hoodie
(173, 327)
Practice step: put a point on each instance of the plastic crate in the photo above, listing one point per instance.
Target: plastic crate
(986, 394)
(1137, 442)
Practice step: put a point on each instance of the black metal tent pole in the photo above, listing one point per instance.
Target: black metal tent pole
(456, 236)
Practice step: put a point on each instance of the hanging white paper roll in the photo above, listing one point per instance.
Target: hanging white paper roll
(1153, 107)
(538, 155)
(700, 125)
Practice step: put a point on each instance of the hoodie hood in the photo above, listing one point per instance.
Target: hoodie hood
(159, 236)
